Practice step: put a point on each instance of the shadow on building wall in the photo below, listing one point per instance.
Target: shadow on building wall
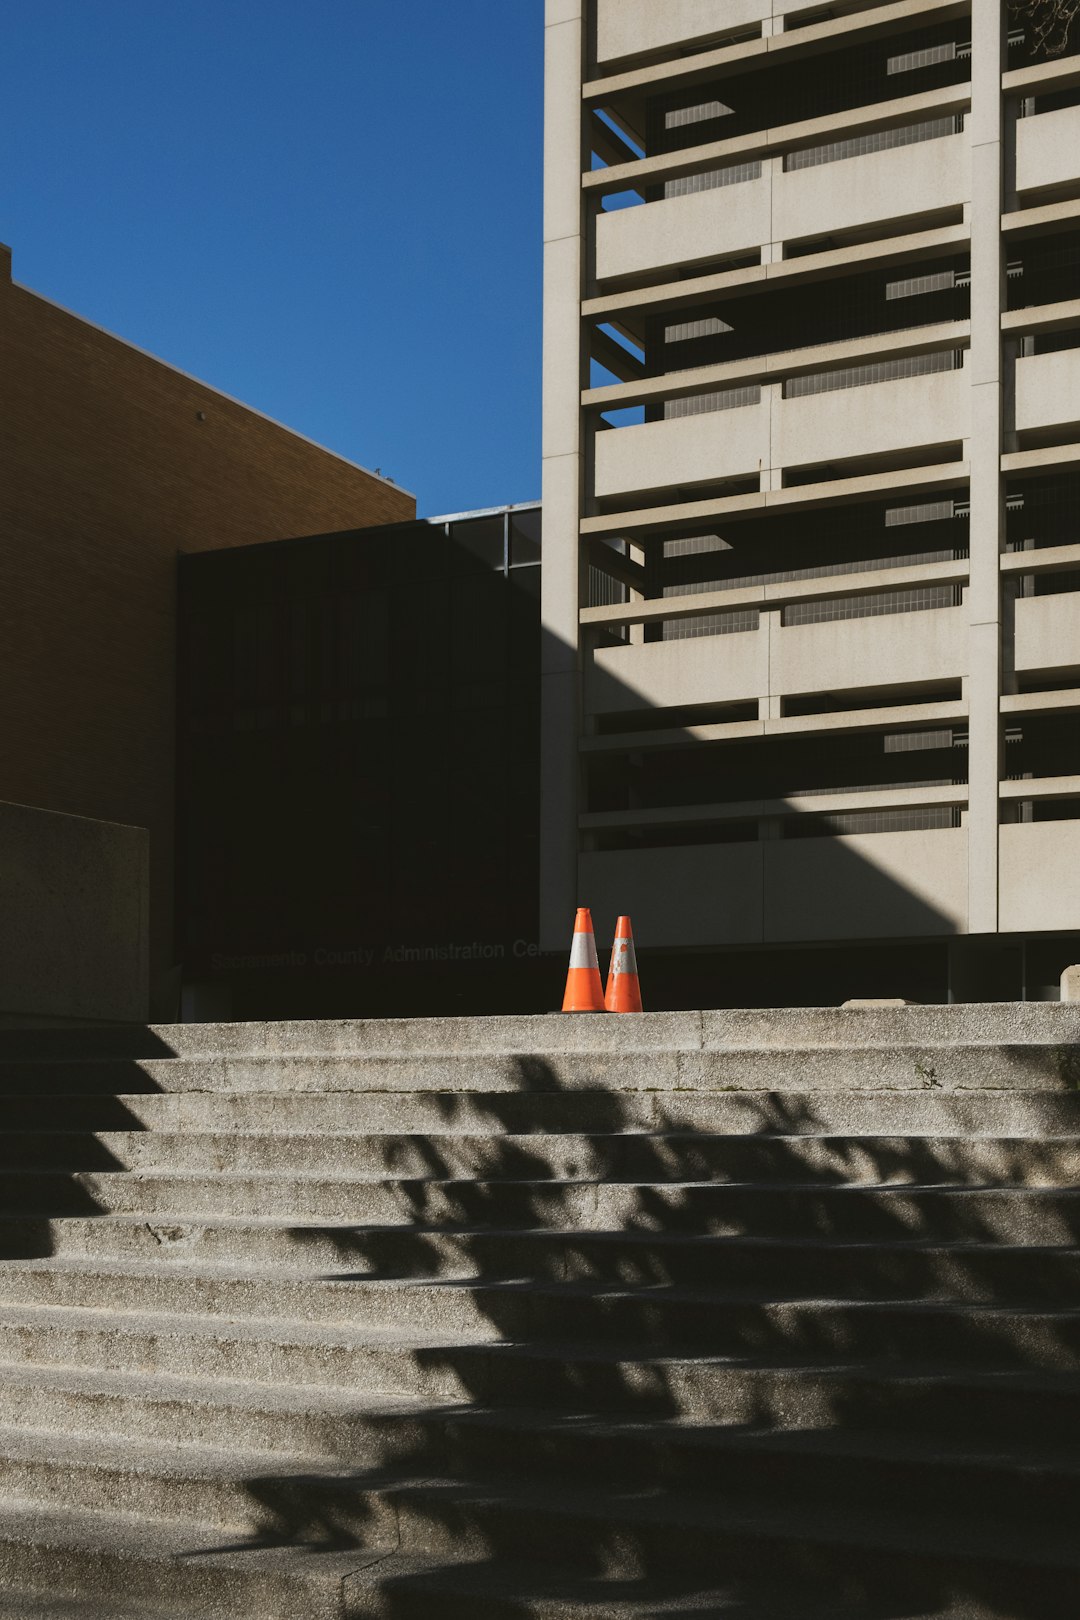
(360, 807)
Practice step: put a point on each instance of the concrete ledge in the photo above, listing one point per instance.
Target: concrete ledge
(796, 497)
(848, 28)
(639, 172)
(1009, 1023)
(1024, 1046)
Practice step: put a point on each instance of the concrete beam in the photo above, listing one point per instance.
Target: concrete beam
(640, 172)
(624, 569)
(848, 30)
(1052, 458)
(1051, 559)
(803, 496)
(1060, 74)
(608, 144)
(1042, 787)
(898, 717)
(1066, 701)
(786, 363)
(868, 582)
(613, 357)
(795, 804)
(810, 267)
(1061, 317)
(1041, 220)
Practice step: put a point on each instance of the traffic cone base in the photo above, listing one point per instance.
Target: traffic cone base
(623, 993)
(584, 991)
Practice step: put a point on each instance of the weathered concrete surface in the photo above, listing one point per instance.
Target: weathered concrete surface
(350, 1319)
(542, 1036)
(73, 917)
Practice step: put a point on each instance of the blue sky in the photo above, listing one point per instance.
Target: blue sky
(328, 208)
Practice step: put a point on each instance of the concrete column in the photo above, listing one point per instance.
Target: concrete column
(771, 704)
(772, 400)
(563, 468)
(772, 252)
(774, 24)
(984, 454)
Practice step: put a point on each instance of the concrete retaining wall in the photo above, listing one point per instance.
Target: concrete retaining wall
(73, 917)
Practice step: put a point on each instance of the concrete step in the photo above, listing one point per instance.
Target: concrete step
(765, 1029)
(524, 1035)
(361, 1427)
(660, 1318)
(902, 1268)
(257, 1352)
(414, 1589)
(943, 1213)
(932, 1112)
(950, 1066)
(54, 1606)
(336, 1429)
(189, 1569)
(648, 1529)
(454, 1074)
(1031, 1404)
(846, 1469)
(479, 1113)
(671, 1300)
(246, 1495)
(678, 1156)
(666, 1532)
(467, 1589)
(990, 1418)
(400, 1586)
(840, 1467)
(417, 1589)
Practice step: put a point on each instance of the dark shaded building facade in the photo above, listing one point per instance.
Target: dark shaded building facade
(359, 772)
(112, 462)
(360, 797)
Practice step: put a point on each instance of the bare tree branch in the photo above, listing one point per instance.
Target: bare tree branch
(1049, 22)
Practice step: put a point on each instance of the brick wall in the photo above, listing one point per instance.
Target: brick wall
(106, 473)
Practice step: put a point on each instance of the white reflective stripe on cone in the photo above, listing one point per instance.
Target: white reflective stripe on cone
(583, 952)
(624, 960)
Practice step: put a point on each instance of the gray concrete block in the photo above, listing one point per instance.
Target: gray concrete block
(1070, 984)
(73, 918)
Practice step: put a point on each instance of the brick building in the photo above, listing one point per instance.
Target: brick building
(112, 463)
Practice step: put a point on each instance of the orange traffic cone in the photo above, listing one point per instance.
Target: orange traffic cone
(623, 990)
(584, 992)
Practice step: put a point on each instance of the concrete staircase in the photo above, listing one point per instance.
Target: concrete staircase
(769, 1316)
